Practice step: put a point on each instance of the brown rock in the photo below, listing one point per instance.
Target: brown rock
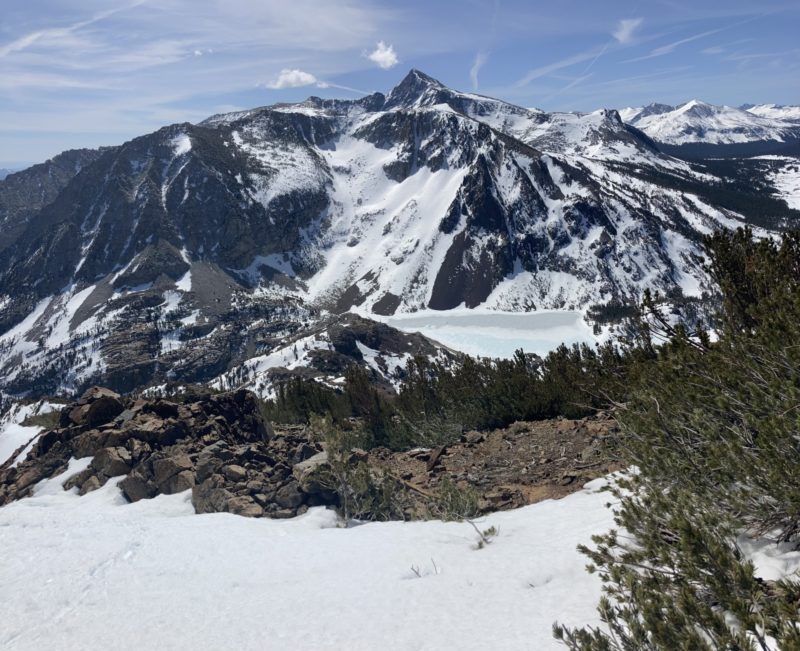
(234, 472)
(209, 496)
(184, 480)
(135, 487)
(289, 496)
(166, 467)
(88, 443)
(96, 407)
(91, 484)
(112, 462)
(244, 506)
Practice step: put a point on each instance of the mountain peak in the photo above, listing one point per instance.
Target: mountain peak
(415, 89)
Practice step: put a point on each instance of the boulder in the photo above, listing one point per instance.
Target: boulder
(96, 406)
(244, 506)
(234, 473)
(166, 467)
(112, 462)
(88, 443)
(183, 481)
(308, 473)
(91, 484)
(289, 496)
(135, 487)
(210, 496)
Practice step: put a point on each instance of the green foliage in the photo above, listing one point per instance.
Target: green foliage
(712, 429)
(454, 502)
(299, 398)
(484, 394)
(364, 492)
(437, 401)
(682, 583)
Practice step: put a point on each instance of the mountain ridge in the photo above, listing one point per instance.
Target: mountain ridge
(183, 253)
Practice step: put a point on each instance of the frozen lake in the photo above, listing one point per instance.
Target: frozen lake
(497, 334)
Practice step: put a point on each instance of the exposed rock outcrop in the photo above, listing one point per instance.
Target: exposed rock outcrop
(219, 447)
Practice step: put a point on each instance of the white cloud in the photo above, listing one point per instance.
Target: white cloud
(384, 55)
(480, 59)
(293, 78)
(626, 28)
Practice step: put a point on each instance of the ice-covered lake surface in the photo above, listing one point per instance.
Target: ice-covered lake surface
(497, 334)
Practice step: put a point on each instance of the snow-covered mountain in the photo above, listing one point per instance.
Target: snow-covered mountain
(184, 253)
(698, 122)
(774, 111)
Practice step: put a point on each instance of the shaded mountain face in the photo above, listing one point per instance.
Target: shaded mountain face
(23, 194)
(182, 254)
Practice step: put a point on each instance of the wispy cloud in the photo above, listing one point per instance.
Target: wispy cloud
(480, 59)
(482, 55)
(384, 56)
(57, 35)
(670, 47)
(543, 71)
(574, 83)
(626, 29)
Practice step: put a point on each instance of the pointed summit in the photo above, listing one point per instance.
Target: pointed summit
(416, 89)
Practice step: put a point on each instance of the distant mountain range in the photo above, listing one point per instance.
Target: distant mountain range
(700, 129)
(228, 251)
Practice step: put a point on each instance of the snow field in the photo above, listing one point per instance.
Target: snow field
(95, 570)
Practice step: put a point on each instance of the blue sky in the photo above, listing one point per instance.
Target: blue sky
(98, 72)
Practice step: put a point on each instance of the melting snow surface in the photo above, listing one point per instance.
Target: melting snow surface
(155, 575)
(497, 334)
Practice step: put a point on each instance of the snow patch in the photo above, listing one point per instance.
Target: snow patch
(181, 144)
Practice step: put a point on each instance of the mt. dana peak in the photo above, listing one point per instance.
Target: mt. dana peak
(183, 253)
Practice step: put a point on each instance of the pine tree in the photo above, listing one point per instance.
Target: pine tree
(712, 429)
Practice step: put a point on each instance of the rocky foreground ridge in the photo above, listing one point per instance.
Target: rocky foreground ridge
(220, 447)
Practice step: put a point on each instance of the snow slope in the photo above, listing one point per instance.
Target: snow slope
(696, 121)
(95, 570)
(14, 434)
(786, 180)
(775, 111)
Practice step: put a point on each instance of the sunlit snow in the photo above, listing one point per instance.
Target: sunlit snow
(96, 571)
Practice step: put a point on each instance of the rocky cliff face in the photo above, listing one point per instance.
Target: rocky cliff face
(23, 194)
(183, 253)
